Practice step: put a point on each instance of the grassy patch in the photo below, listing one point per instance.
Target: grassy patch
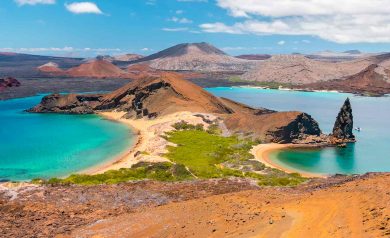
(212, 156)
(140, 171)
(197, 154)
(202, 152)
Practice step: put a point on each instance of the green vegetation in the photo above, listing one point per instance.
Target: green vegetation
(156, 171)
(198, 154)
(212, 156)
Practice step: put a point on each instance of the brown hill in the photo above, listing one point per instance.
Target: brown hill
(96, 69)
(51, 69)
(298, 70)
(371, 80)
(196, 57)
(153, 97)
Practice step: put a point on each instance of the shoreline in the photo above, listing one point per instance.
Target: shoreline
(148, 131)
(262, 152)
(148, 145)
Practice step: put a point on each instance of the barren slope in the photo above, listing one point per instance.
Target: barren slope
(96, 69)
(359, 208)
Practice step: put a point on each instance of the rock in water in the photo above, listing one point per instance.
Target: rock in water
(342, 130)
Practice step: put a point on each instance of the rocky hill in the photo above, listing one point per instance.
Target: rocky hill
(51, 69)
(168, 93)
(373, 80)
(96, 69)
(298, 69)
(196, 57)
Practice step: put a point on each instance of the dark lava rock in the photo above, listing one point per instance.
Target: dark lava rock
(70, 103)
(301, 126)
(343, 126)
(8, 82)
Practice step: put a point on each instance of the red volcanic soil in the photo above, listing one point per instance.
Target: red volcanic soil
(97, 69)
(51, 69)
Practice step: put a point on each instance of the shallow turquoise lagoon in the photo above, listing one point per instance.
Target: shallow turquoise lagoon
(370, 154)
(53, 145)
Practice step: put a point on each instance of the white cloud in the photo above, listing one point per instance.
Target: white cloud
(34, 2)
(175, 29)
(178, 12)
(342, 21)
(282, 42)
(83, 7)
(182, 20)
(283, 8)
(146, 49)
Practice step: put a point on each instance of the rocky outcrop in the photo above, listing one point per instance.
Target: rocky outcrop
(300, 127)
(70, 103)
(8, 82)
(343, 127)
(152, 97)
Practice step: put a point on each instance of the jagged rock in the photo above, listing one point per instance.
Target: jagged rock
(342, 130)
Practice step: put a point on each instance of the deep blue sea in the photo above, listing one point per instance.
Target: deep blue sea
(53, 145)
(371, 153)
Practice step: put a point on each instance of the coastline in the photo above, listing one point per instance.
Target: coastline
(148, 145)
(262, 152)
(148, 140)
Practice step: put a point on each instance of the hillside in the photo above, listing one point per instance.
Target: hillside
(299, 70)
(372, 81)
(96, 69)
(51, 69)
(196, 57)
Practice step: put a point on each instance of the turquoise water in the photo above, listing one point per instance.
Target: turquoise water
(53, 145)
(371, 153)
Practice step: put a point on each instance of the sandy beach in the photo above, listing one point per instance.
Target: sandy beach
(262, 152)
(149, 146)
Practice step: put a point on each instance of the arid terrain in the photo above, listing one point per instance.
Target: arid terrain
(355, 206)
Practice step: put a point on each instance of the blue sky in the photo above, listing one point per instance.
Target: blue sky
(66, 28)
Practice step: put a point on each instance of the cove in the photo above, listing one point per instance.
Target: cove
(54, 145)
(371, 153)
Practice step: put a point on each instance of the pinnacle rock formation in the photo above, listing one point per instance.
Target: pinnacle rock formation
(342, 130)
